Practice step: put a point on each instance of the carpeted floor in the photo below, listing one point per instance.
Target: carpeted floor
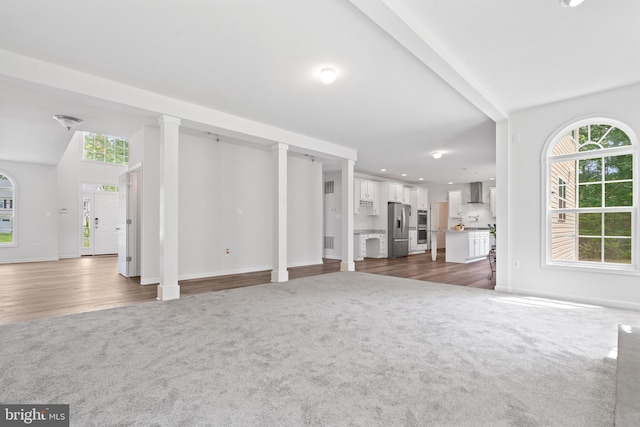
(342, 349)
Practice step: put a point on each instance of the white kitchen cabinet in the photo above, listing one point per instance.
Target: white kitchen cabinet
(399, 194)
(413, 240)
(365, 197)
(455, 203)
(368, 190)
(466, 246)
(383, 245)
(492, 198)
(479, 244)
(372, 245)
(369, 194)
(396, 193)
(414, 247)
(406, 195)
(422, 198)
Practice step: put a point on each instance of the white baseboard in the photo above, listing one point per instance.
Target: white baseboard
(150, 281)
(19, 261)
(69, 256)
(338, 257)
(204, 275)
(305, 263)
(572, 298)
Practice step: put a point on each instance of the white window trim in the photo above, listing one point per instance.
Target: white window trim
(14, 222)
(84, 133)
(546, 157)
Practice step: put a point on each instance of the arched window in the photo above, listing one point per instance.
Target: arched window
(591, 204)
(7, 211)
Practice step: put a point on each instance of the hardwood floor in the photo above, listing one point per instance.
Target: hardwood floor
(46, 289)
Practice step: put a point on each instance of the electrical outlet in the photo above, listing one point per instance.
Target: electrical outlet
(516, 263)
(35, 246)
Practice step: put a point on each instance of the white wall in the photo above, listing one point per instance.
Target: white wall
(525, 225)
(36, 211)
(304, 212)
(226, 199)
(72, 171)
(216, 181)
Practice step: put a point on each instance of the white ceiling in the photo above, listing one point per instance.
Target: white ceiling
(415, 76)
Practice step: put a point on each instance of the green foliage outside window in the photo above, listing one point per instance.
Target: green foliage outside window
(106, 149)
(603, 180)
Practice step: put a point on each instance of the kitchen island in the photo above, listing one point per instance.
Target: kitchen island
(467, 246)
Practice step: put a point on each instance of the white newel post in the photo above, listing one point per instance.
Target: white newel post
(279, 272)
(347, 263)
(169, 136)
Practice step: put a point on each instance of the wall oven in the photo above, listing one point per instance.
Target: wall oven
(422, 227)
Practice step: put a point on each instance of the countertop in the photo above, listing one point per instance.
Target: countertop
(369, 231)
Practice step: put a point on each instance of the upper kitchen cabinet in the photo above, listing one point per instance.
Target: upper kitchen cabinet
(365, 197)
(398, 193)
(455, 203)
(421, 198)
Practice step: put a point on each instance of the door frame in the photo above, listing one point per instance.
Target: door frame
(83, 194)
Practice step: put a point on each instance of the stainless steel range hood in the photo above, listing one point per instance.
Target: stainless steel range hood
(476, 192)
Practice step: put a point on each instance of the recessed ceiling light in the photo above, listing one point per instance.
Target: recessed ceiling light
(437, 155)
(404, 174)
(450, 182)
(328, 75)
(492, 179)
(571, 3)
(420, 179)
(383, 170)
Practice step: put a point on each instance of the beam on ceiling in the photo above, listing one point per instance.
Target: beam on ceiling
(47, 74)
(402, 27)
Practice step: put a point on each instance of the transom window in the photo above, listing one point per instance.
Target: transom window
(591, 206)
(105, 149)
(7, 211)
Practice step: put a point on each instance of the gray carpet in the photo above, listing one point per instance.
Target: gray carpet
(342, 349)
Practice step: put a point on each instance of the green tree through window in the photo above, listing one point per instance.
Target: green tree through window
(591, 214)
(106, 149)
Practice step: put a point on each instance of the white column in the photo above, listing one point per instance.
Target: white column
(169, 135)
(280, 203)
(503, 216)
(347, 263)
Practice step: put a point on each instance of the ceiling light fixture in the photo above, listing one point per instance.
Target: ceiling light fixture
(420, 179)
(571, 3)
(68, 121)
(383, 170)
(404, 174)
(328, 75)
(437, 155)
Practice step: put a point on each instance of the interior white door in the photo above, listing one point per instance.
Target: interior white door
(105, 223)
(123, 216)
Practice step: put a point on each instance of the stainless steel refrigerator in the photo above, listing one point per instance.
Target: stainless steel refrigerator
(398, 237)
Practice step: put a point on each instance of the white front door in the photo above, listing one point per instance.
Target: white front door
(105, 223)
